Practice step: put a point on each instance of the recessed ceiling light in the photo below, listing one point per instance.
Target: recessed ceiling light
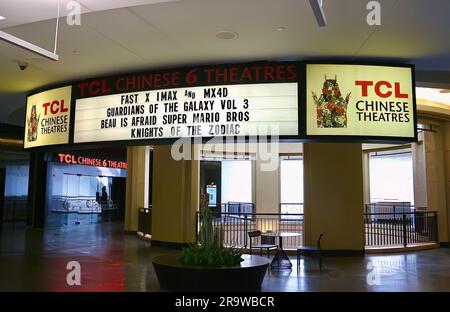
(2, 18)
(281, 28)
(227, 35)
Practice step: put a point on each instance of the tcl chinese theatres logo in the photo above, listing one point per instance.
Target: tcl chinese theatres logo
(32, 124)
(88, 161)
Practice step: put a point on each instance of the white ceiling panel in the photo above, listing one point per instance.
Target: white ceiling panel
(18, 12)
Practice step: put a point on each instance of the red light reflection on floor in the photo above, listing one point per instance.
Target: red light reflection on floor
(97, 275)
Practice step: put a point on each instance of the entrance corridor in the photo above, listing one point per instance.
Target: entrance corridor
(35, 260)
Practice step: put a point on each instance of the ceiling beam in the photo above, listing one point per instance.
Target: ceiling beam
(28, 46)
(317, 7)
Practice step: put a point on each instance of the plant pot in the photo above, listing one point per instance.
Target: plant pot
(175, 276)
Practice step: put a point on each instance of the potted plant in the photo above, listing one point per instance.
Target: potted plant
(207, 265)
(209, 249)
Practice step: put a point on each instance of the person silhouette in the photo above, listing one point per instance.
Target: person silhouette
(104, 197)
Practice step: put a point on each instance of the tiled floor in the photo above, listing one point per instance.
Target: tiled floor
(35, 260)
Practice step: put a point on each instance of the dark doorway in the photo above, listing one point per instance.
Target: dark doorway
(150, 180)
(210, 181)
(2, 194)
(118, 191)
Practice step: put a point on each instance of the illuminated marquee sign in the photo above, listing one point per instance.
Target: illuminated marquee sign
(226, 110)
(309, 101)
(48, 118)
(225, 100)
(360, 100)
(72, 159)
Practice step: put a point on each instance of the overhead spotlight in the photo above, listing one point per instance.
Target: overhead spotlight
(1, 18)
(317, 7)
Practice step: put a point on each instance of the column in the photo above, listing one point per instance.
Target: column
(419, 173)
(37, 184)
(447, 181)
(366, 178)
(436, 146)
(176, 189)
(334, 196)
(267, 189)
(137, 185)
(434, 175)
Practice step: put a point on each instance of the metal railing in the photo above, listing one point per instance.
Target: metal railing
(391, 207)
(400, 226)
(290, 210)
(145, 221)
(390, 229)
(238, 207)
(232, 228)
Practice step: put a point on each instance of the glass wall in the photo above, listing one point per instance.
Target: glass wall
(391, 177)
(81, 194)
(237, 181)
(291, 184)
(16, 186)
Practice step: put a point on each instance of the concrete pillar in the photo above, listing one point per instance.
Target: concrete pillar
(435, 175)
(419, 173)
(137, 185)
(267, 183)
(267, 189)
(334, 196)
(366, 178)
(176, 189)
(446, 213)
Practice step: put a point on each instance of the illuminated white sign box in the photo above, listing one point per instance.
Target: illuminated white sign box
(47, 120)
(360, 100)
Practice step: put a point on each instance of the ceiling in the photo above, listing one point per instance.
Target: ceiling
(125, 35)
(440, 96)
(21, 12)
